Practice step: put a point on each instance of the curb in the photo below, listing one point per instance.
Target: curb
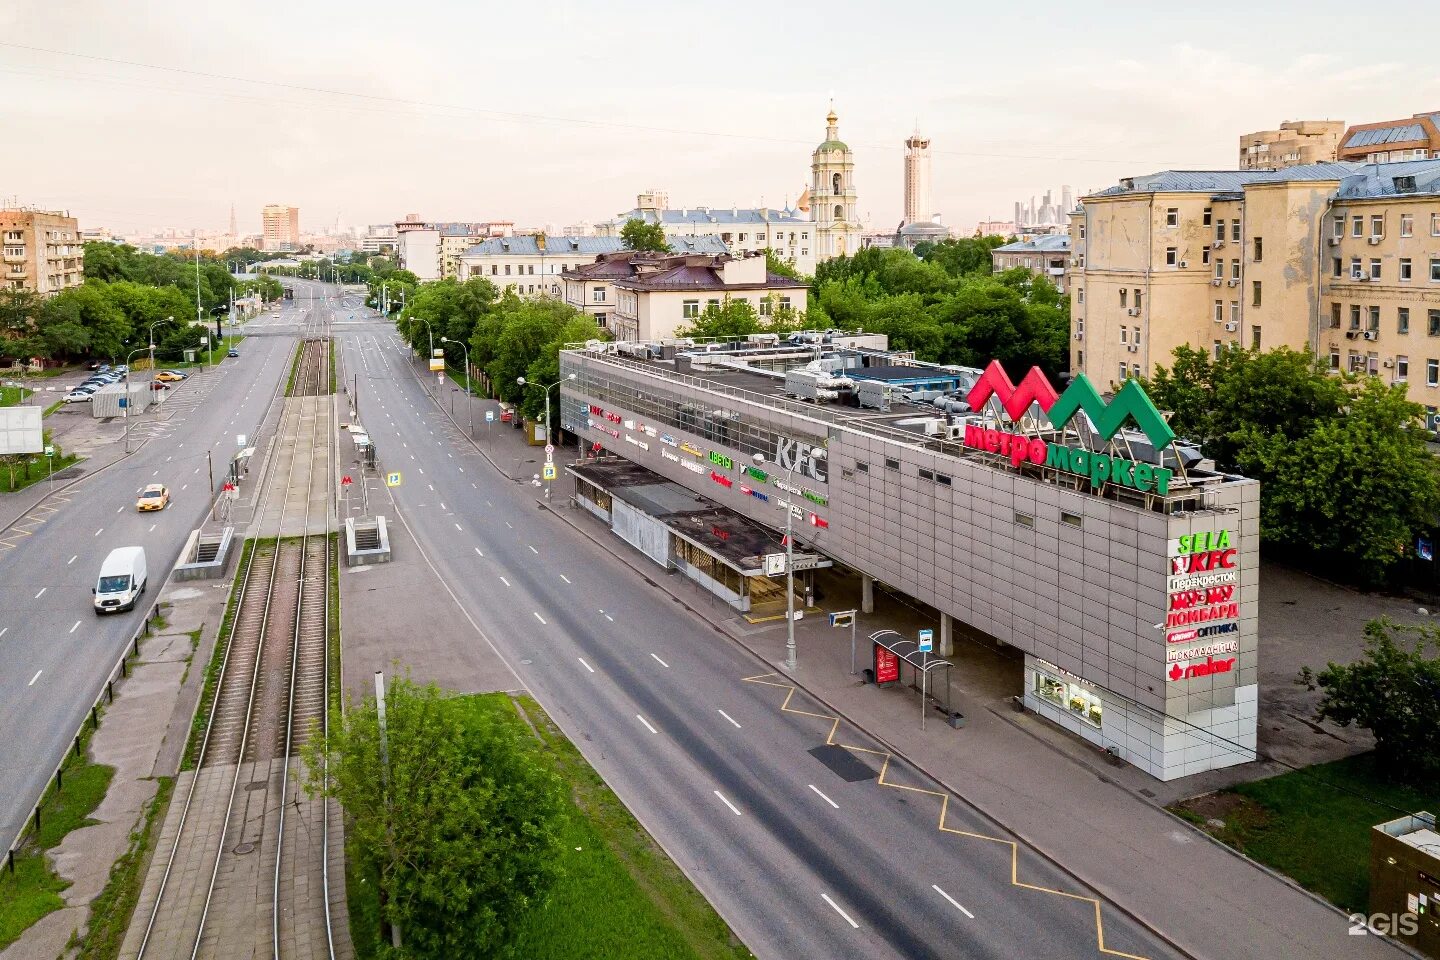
(901, 754)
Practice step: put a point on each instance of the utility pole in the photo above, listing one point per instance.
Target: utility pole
(385, 781)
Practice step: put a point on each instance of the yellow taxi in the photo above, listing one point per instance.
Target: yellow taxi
(165, 376)
(153, 497)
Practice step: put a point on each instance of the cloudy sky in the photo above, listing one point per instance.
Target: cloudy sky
(139, 116)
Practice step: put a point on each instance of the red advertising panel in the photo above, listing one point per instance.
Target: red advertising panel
(887, 665)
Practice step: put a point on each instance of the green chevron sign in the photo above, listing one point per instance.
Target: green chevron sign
(1130, 403)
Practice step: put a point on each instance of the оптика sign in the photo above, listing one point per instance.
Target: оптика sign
(1130, 403)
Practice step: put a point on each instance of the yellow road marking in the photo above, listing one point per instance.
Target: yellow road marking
(1015, 881)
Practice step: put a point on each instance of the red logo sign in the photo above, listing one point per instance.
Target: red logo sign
(1201, 562)
(1034, 388)
(887, 665)
(1194, 598)
(721, 479)
(345, 481)
(1184, 671)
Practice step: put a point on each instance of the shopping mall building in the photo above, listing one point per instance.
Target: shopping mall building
(1070, 526)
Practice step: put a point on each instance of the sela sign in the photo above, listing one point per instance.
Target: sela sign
(1130, 403)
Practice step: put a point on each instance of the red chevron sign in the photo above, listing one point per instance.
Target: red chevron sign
(1034, 388)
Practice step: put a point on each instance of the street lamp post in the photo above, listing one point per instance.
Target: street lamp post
(126, 380)
(790, 660)
(522, 381)
(469, 411)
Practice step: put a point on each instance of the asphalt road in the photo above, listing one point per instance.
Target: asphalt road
(801, 861)
(55, 653)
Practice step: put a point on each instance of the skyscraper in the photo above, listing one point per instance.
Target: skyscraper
(280, 227)
(917, 178)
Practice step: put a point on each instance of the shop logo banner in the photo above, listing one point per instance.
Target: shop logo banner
(1130, 403)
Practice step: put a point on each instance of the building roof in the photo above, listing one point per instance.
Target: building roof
(697, 276)
(709, 216)
(1231, 182)
(1404, 131)
(528, 245)
(1047, 243)
(1407, 178)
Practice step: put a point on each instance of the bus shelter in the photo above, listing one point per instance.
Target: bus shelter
(891, 652)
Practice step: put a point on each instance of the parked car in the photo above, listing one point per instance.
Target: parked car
(179, 373)
(77, 396)
(232, 352)
(121, 369)
(154, 497)
(94, 365)
(159, 385)
(168, 376)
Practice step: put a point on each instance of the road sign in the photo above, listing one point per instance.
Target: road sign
(204, 341)
(49, 450)
(240, 440)
(927, 641)
(392, 479)
(437, 366)
(843, 619)
(489, 416)
(549, 448)
(345, 481)
(548, 471)
(774, 564)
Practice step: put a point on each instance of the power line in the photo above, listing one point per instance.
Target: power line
(522, 117)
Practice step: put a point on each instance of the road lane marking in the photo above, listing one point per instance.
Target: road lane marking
(952, 901)
(538, 617)
(442, 505)
(565, 578)
(585, 665)
(430, 485)
(155, 474)
(100, 531)
(504, 581)
(836, 907)
(507, 523)
(457, 526)
(823, 797)
(533, 550)
(42, 590)
(421, 469)
(72, 559)
(661, 662)
(183, 486)
(152, 529)
(479, 551)
(34, 678)
(4, 631)
(76, 627)
(610, 618)
(733, 809)
(647, 723)
(730, 718)
(120, 508)
(462, 469)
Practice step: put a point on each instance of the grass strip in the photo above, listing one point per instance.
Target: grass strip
(1314, 824)
(294, 369)
(33, 890)
(110, 912)
(26, 477)
(212, 669)
(11, 396)
(330, 349)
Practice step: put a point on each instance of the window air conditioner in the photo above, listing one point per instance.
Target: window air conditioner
(1334, 241)
(1133, 348)
(1360, 277)
(1374, 240)
(1184, 264)
(1372, 334)
(1080, 335)
(1389, 363)
(1232, 283)
(1132, 312)
(1232, 326)
(1217, 244)
(1216, 282)
(1072, 261)
(1351, 334)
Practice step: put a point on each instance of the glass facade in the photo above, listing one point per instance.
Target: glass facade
(1069, 695)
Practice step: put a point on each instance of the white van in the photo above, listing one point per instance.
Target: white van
(122, 580)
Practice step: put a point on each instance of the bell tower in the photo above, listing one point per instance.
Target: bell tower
(832, 195)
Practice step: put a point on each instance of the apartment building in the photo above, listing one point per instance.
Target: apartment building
(1297, 142)
(1339, 258)
(42, 251)
(668, 293)
(1043, 256)
(1390, 141)
(590, 287)
(280, 227)
(743, 230)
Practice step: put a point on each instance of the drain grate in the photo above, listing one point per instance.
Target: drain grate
(244, 848)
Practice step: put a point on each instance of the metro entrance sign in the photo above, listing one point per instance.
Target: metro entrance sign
(1130, 403)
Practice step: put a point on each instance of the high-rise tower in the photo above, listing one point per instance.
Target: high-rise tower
(832, 195)
(917, 178)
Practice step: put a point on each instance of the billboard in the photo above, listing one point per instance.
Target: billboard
(20, 430)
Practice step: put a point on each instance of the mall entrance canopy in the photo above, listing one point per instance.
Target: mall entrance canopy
(908, 651)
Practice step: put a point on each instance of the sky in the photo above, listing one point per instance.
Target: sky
(162, 114)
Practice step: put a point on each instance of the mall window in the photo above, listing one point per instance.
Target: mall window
(862, 467)
(1071, 519)
(1172, 217)
(926, 475)
(690, 309)
(943, 480)
(1069, 696)
(1402, 319)
(1024, 520)
(702, 561)
(892, 464)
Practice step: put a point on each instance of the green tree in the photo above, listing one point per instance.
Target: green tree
(641, 236)
(456, 817)
(1394, 692)
(962, 256)
(780, 266)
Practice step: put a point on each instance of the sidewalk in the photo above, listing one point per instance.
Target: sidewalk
(1104, 823)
